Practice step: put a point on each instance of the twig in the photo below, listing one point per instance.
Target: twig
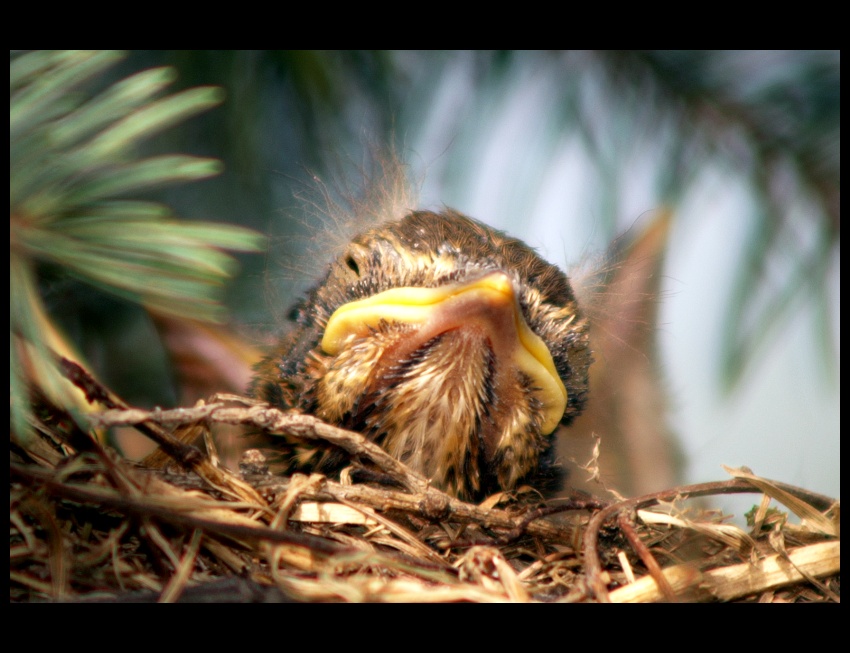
(538, 513)
(188, 456)
(627, 526)
(111, 498)
(740, 580)
(593, 565)
(273, 421)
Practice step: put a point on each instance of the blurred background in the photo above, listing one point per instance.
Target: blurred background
(693, 195)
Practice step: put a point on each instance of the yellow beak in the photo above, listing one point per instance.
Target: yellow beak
(488, 303)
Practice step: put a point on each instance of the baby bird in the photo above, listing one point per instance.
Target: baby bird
(452, 345)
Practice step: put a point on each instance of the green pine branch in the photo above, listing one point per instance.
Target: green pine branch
(74, 169)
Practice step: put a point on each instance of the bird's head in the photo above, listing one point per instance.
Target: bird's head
(455, 347)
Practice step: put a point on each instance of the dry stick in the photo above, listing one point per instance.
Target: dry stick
(425, 501)
(431, 504)
(400, 532)
(535, 514)
(593, 565)
(310, 428)
(274, 420)
(453, 510)
(626, 522)
(188, 456)
(112, 499)
(748, 578)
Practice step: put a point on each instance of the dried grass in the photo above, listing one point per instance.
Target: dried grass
(89, 525)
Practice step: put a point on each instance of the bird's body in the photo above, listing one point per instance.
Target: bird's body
(453, 346)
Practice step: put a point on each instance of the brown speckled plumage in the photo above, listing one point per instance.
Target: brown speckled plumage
(447, 406)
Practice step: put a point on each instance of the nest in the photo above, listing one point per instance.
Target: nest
(90, 525)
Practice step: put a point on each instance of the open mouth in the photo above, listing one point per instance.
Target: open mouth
(487, 304)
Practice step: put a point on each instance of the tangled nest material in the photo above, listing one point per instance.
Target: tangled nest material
(89, 525)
